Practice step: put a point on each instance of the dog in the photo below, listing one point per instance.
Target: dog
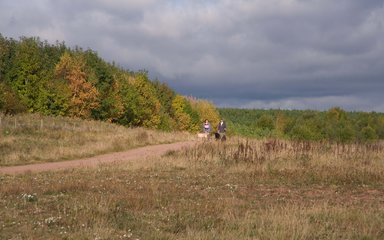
(203, 135)
(219, 137)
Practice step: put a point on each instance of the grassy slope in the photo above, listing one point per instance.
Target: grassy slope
(32, 138)
(238, 190)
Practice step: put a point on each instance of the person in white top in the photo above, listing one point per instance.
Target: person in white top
(206, 127)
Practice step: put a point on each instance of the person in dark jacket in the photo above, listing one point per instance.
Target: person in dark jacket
(221, 129)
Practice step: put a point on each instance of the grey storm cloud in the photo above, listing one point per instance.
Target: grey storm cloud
(311, 54)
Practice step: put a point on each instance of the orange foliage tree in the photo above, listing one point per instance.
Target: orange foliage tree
(84, 96)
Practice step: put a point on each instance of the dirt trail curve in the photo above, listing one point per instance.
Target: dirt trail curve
(137, 153)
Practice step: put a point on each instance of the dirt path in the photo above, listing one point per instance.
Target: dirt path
(137, 153)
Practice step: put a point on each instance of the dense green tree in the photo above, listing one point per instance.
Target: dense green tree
(7, 49)
(165, 95)
(2, 95)
(55, 98)
(302, 132)
(380, 127)
(307, 126)
(9, 101)
(141, 107)
(102, 75)
(335, 124)
(129, 96)
(27, 67)
(265, 121)
(26, 74)
(338, 127)
(368, 134)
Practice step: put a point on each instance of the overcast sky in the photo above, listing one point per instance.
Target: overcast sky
(288, 54)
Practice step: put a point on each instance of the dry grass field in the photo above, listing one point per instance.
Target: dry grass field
(240, 189)
(32, 138)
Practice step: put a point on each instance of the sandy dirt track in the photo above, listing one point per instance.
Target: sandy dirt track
(137, 153)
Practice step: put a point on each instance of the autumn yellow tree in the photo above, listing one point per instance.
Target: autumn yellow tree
(206, 110)
(183, 120)
(185, 116)
(84, 96)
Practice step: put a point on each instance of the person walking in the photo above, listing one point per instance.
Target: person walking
(221, 129)
(206, 127)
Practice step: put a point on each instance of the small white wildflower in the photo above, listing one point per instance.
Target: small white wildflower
(51, 220)
(128, 235)
(231, 186)
(29, 197)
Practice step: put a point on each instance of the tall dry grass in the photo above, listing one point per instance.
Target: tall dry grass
(32, 138)
(211, 191)
(299, 162)
(167, 202)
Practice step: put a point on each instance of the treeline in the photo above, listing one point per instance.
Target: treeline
(335, 124)
(53, 79)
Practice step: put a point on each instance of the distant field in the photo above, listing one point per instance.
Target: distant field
(241, 189)
(32, 138)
